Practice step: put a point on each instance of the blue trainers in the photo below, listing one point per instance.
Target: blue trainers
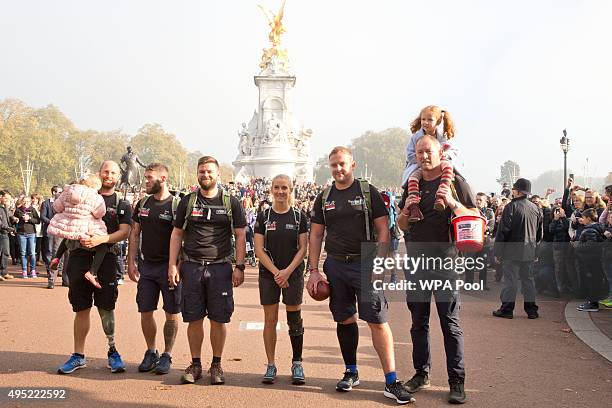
(74, 363)
(115, 363)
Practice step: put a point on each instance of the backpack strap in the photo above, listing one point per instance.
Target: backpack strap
(298, 220)
(266, 222)
(175, 202)
(324, 197)
(227, 203)
(367, 210)
(190, 204)
(141, 204)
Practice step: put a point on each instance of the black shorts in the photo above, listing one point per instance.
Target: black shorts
(81, 292)
(346, 282)
(153, 280)
(207, 291)
(270, 292)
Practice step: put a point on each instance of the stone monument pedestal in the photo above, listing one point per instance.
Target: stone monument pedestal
(274, 142)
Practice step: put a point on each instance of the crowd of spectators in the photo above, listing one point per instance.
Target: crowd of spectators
(565, 264)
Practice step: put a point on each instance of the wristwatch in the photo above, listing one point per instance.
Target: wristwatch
(242, 267)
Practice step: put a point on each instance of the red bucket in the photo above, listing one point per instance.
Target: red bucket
(469, 232)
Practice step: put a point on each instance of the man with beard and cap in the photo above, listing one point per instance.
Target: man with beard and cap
(81, 292)
(519, 231)
(153, 218)
(204, 224)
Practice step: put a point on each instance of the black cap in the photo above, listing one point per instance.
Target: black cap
(522, 186)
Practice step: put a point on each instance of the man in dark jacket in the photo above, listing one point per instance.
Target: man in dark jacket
(6, 227)
(51, 242)
(518, 234)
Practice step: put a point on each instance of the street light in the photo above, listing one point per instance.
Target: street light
(564, 142)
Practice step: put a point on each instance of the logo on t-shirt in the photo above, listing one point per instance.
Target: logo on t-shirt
(290, 226)
(220, 212)
(144, 212)
(271, 226)
(166, 216)
(197, 212)
(330, 205)
(357, 202)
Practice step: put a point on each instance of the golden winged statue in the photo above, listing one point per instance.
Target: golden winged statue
(275, 21)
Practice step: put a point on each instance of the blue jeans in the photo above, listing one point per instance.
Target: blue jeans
(27, 244)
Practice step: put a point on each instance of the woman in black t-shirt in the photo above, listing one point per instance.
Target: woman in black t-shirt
(280, 245)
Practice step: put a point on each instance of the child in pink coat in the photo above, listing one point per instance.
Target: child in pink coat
(78, 215)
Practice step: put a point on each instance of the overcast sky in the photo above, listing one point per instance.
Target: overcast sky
(512, 74)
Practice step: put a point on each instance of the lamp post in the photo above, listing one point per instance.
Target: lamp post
(564, 142)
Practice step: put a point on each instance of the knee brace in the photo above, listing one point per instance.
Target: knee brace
(295, 323)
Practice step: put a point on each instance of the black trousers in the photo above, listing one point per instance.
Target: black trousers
(5, 252)
(14, 244)
(448, 305)
(481, 271)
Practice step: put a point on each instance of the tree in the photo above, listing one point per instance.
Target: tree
(37, 134)
(153, 144)
(321, 170)
(548, 179)
(226, 172)
(509, 172)
(384, 153)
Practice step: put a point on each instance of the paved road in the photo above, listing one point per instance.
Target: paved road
(510, 363)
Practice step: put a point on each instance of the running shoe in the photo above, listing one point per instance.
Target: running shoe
(605, 303)
(398, 392)
(588, 307)
(297, 373)
(150, 360)
(115, 363)
(164, 363)
(270, 374)
(350, 380)
(74, 363)
(418, 381)
(192, 374)
(216, 374)
(456, 393)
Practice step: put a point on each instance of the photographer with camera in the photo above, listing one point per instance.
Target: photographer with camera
(559, 228)
(6, 228)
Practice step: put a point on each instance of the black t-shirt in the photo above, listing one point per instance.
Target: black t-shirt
(208, 234)
(282, 239)
(345, 218)
(121, 214)
(435, 225)
(155, 219)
